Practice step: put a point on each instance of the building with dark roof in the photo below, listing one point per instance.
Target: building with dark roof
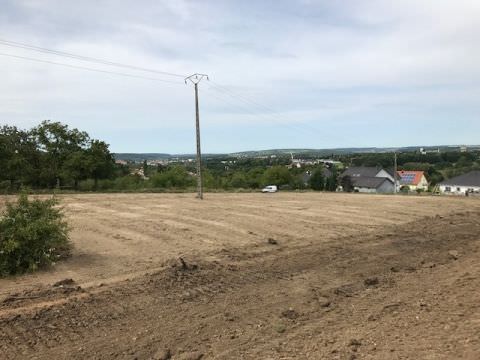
(370, 179)
(461, 185)
(372, 184)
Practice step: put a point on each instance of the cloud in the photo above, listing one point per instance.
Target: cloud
(313, 62)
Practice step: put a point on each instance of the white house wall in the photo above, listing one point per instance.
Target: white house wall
(365, 190)
(384, 174)
(457, 190)
(385, 188)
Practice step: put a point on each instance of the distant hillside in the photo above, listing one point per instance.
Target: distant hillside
(340, 151)
(139, 157)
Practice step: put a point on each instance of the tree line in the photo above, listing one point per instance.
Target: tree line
(54, 156)
(51, 155)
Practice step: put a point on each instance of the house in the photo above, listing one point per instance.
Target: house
(461, 185)
(367, 171)
(370, 179)
(372, 185)
(413, 180)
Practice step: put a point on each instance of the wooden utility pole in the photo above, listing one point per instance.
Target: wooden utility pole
(195, 79)
(395, 175)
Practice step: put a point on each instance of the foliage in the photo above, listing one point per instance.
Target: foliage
(277, 175)
(346, 183)
(33, 234)
(174, 177)
(317, 180)
(52, 155)
(331, 182)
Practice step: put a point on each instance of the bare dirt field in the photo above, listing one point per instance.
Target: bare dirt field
(264, 276)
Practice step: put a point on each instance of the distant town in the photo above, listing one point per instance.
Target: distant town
(443, 169)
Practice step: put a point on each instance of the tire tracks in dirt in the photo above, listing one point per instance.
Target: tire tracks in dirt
(241, 306)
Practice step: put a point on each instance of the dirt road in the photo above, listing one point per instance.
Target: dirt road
(282, 276)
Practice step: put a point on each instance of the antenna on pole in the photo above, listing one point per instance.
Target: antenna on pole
(195, 80)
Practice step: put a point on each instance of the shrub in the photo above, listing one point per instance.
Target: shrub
(129, 182)
(174, 177)
(86, 185)
(33, 234)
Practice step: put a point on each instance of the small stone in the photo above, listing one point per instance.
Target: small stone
(324, 302)
(355, 342)
(64, 282)
(280, 328)
(290, 314)
(272, 241)
(164, 354)
(453, 254)
(196, 355)
(372, 281)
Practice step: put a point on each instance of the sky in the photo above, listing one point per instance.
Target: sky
(283, 73)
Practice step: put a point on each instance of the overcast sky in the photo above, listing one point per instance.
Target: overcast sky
(303, 74)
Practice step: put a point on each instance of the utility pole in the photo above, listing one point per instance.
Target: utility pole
(195, 79)
(395, 174)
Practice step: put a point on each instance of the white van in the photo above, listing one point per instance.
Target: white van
(270, 189)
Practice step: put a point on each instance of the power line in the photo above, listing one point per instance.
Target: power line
(85, 58)
(256, 114)
(88, 69)
(250, 102)
(270, 115)
(275, 115)
(267, 112)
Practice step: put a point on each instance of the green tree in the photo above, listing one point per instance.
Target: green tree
(145, 168)
(57, 143)
(317, 180)
(277, 175)
(209, 180)
(239, 180)
(76, 167)
(346, 183)
(254, 177)
(175, 177)
(101, 164)
(331, 182)
(18, 156)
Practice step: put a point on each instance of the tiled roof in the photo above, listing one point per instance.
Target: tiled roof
(356, 171)
(469, 179)
(410, 177)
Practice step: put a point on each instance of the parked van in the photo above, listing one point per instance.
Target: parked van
(270, 189)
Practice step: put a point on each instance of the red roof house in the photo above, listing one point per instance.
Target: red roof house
(414, 180)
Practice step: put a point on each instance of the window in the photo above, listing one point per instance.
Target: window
(458, 189)
(448, 189)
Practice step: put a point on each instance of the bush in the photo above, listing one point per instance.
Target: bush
(129, 182)
(174, 177)
(33, 234)
(86, 185)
